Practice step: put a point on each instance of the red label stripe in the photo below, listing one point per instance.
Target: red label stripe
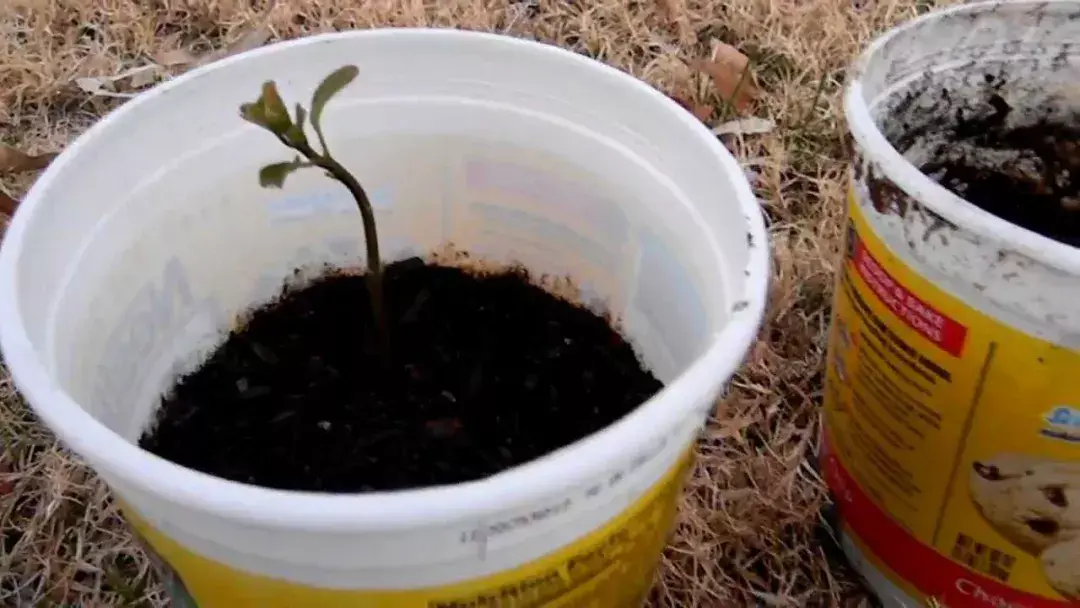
(923, 568)
(942, 331)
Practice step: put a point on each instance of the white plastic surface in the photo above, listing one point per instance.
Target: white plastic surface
(1014, 275)
(138, 248)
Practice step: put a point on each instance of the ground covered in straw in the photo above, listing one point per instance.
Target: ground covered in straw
(750, 529)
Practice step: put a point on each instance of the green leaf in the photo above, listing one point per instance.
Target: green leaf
(277, 115)
(330, 86)
(301, 115)
(295, 135)
(273, 175)
(254, 113)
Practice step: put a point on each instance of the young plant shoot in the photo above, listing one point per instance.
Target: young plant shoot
(465, 375)
(269, 112)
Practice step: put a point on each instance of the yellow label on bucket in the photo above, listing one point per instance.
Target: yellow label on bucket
(610, 567)
(951, 439)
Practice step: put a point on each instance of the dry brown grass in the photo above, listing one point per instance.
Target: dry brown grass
(749, 531)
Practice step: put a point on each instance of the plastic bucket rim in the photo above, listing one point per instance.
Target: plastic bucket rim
(939, 199)
(110, 454)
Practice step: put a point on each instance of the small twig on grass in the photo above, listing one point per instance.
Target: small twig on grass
(732, 75)
(808, 114)
(730, 109)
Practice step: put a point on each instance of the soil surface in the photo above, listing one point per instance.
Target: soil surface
(483, 373)
(1028, 175)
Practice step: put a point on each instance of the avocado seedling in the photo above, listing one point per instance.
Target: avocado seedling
(487, 370)
(269, 112)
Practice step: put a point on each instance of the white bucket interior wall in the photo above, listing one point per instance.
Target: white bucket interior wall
(482, 156)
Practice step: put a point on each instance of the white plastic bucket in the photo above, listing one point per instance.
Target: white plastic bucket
(952, 411)
(145, 240)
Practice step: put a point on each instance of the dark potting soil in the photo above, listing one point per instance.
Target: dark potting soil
(1028, 175)
(483, 373)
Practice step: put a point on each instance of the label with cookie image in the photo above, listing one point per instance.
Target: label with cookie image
(951, 440)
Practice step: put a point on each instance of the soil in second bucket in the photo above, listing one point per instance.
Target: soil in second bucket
(482, 373)
(1027, 175)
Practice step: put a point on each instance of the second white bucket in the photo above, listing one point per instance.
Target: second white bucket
(140, 246)
(951, 402)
